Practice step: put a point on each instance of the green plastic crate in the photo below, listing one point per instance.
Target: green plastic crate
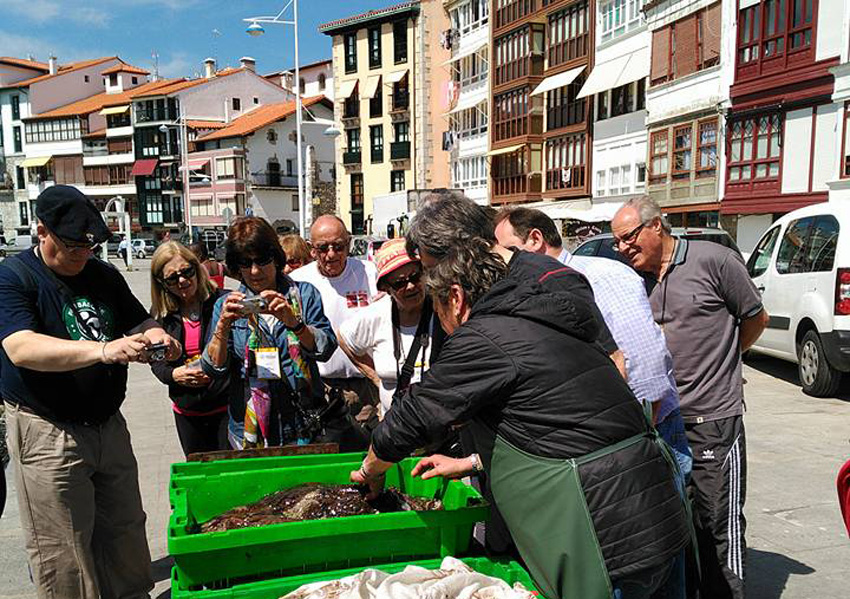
(318, 545)
(509, 571)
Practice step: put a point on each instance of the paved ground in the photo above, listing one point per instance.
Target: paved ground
(796, 444)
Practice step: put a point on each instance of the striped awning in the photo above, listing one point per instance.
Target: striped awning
(115, 110)
(144, 167)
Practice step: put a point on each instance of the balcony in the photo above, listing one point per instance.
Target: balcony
(377, 155)
(401, 100)
(351, 157)
(273, 179)
(153, 116)
(400, 150)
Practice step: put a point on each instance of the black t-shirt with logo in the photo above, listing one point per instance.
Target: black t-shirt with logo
(95, 305)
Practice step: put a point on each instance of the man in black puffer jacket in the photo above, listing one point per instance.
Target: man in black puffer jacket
(577, 472)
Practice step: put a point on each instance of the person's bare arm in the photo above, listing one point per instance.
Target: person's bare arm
(364, 363)
(218, 346)
(619, 360)
(752, 328)
(43, 353)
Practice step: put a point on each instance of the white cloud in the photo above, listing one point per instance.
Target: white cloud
(85, 12)
(20, 46)
(178, 65)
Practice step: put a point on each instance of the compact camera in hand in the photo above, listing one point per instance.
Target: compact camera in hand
(156, 352)
(254, 305)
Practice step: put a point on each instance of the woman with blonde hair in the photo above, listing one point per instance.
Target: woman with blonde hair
(183, 298)
(297, 252)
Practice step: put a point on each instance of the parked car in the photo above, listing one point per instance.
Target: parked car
(603, 244)
(17, 245)
(801, 266)
(365, 247)
(142, 248)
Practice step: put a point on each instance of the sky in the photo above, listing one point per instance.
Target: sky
(181, 32)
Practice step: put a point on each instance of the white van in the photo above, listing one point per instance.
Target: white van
(801, 266)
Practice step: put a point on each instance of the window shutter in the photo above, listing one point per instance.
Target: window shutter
(660, 54)
(686, 46)
(711, 31)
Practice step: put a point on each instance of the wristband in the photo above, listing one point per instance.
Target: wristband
(103, 352)
(366, 476)
(476, 462)
(299, 327)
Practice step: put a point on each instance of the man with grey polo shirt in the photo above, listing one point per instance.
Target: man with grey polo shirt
(710, 313)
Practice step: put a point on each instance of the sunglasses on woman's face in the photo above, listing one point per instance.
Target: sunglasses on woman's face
(247, 263)
(174, 278)
(402, 282)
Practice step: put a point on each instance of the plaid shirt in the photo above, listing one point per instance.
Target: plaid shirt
(621, 297)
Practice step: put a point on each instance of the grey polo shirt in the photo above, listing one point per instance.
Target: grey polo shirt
(699, 304)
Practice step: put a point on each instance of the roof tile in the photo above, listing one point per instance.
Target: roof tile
(259, 118)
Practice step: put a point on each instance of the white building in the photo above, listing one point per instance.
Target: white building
(468, 137)
(315, 79)
(617, 88)
(251, 164)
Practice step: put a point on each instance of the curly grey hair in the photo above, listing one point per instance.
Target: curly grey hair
(446, 218)
(472, 266)
(648, 209)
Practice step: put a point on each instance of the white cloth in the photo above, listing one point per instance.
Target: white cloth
(342, 298)
(454, 580)
(370, 333)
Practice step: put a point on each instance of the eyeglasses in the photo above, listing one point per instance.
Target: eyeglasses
(338, 246)
(247, 263)
(75, 247)
(401, 283)
(630, 237)
(174, 278)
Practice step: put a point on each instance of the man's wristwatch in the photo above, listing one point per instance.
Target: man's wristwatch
(477, 466)
(299, 327)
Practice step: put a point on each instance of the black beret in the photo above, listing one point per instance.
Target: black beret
(72, 216)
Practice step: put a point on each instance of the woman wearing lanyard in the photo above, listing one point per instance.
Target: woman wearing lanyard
(182, 302)
(392, 340)
(274, 331)
(582, 480)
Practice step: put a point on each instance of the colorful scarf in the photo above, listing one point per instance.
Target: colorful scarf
(258, 406)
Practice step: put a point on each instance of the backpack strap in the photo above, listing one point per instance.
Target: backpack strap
(24, 273)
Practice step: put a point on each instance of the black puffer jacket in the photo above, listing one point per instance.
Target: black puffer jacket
(524, 366)
(206, 399)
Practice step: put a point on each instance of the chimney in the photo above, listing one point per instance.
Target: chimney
(248, 63)
(51, 63)
(209, 68)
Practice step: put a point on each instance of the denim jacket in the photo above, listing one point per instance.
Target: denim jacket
(313, 316)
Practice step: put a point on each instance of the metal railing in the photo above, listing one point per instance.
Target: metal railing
(351, 157)
(273, 179)
(400, 150)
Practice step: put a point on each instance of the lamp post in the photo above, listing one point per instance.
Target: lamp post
(255, 29)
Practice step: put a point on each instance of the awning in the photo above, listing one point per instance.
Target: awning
(371, 87)
(346, 87)
(468, 51)
(115, 110)
(600, 212)
(507, 150)
(144, 168)
(556, 81)
(467, 102)
(395, 77)
(617, 72)
(198, 163)
(36, 161)
(747, 4)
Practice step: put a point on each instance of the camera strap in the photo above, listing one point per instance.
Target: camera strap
(420, 342)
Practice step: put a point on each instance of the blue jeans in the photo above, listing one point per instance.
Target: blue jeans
(642, 584)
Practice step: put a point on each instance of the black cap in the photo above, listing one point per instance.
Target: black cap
(68, 213)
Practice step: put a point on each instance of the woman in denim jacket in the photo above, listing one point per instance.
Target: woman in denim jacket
(276, 329)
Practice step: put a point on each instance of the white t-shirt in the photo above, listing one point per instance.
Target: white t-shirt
(342, 298)
(371, 333)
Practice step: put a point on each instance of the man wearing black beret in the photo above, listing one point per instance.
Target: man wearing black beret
(69, 325)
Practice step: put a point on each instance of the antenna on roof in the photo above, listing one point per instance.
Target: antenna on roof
(215, 35)
(155, 56)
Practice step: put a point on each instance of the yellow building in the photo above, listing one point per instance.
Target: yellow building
(391, 98)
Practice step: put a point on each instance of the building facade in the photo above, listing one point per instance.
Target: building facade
(785, 123)
(315, 79)
(391, 95)
(467, 140)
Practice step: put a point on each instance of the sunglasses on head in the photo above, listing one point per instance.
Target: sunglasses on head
(338, 246)
(247, 263)
(402, 282)
(174, 278)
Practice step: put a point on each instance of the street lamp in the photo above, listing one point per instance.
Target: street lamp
(255, 29)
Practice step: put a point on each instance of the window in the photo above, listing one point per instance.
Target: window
(290, 170)
(113, 79)
(640, 180)
(618, 17)
(16, 108)
(515, 114)
(792, 255)
(21, 177)
(508, 11)
(770, 32)
(600, 183)
(376, 142)
(353, 139)
(518, 54)
(470, 122)
(614, 180)
(357, 220)
(16, 138)
(470, 16)
(236, 104)
(23, 213)
(256, 100)
(755, 146)
(602, 106)
(226, 168)
(760, 258)
(845, 144)
(400, 41)
(55, 130)
(682, 151)
(401, 131)
(396, 181)
(118, 120)
(302, 86)
(621, 100)
(85, 78)
(135, 80)
(568, 34)
(640, 95)
(562, 107)
(686, 46)
(707, 147)
(658, 157)
(376, 102)
(374, 47)
(351, 104)
(322, 82)
(350, 42)
(565, 162)
(471, 172)
(295, 204)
